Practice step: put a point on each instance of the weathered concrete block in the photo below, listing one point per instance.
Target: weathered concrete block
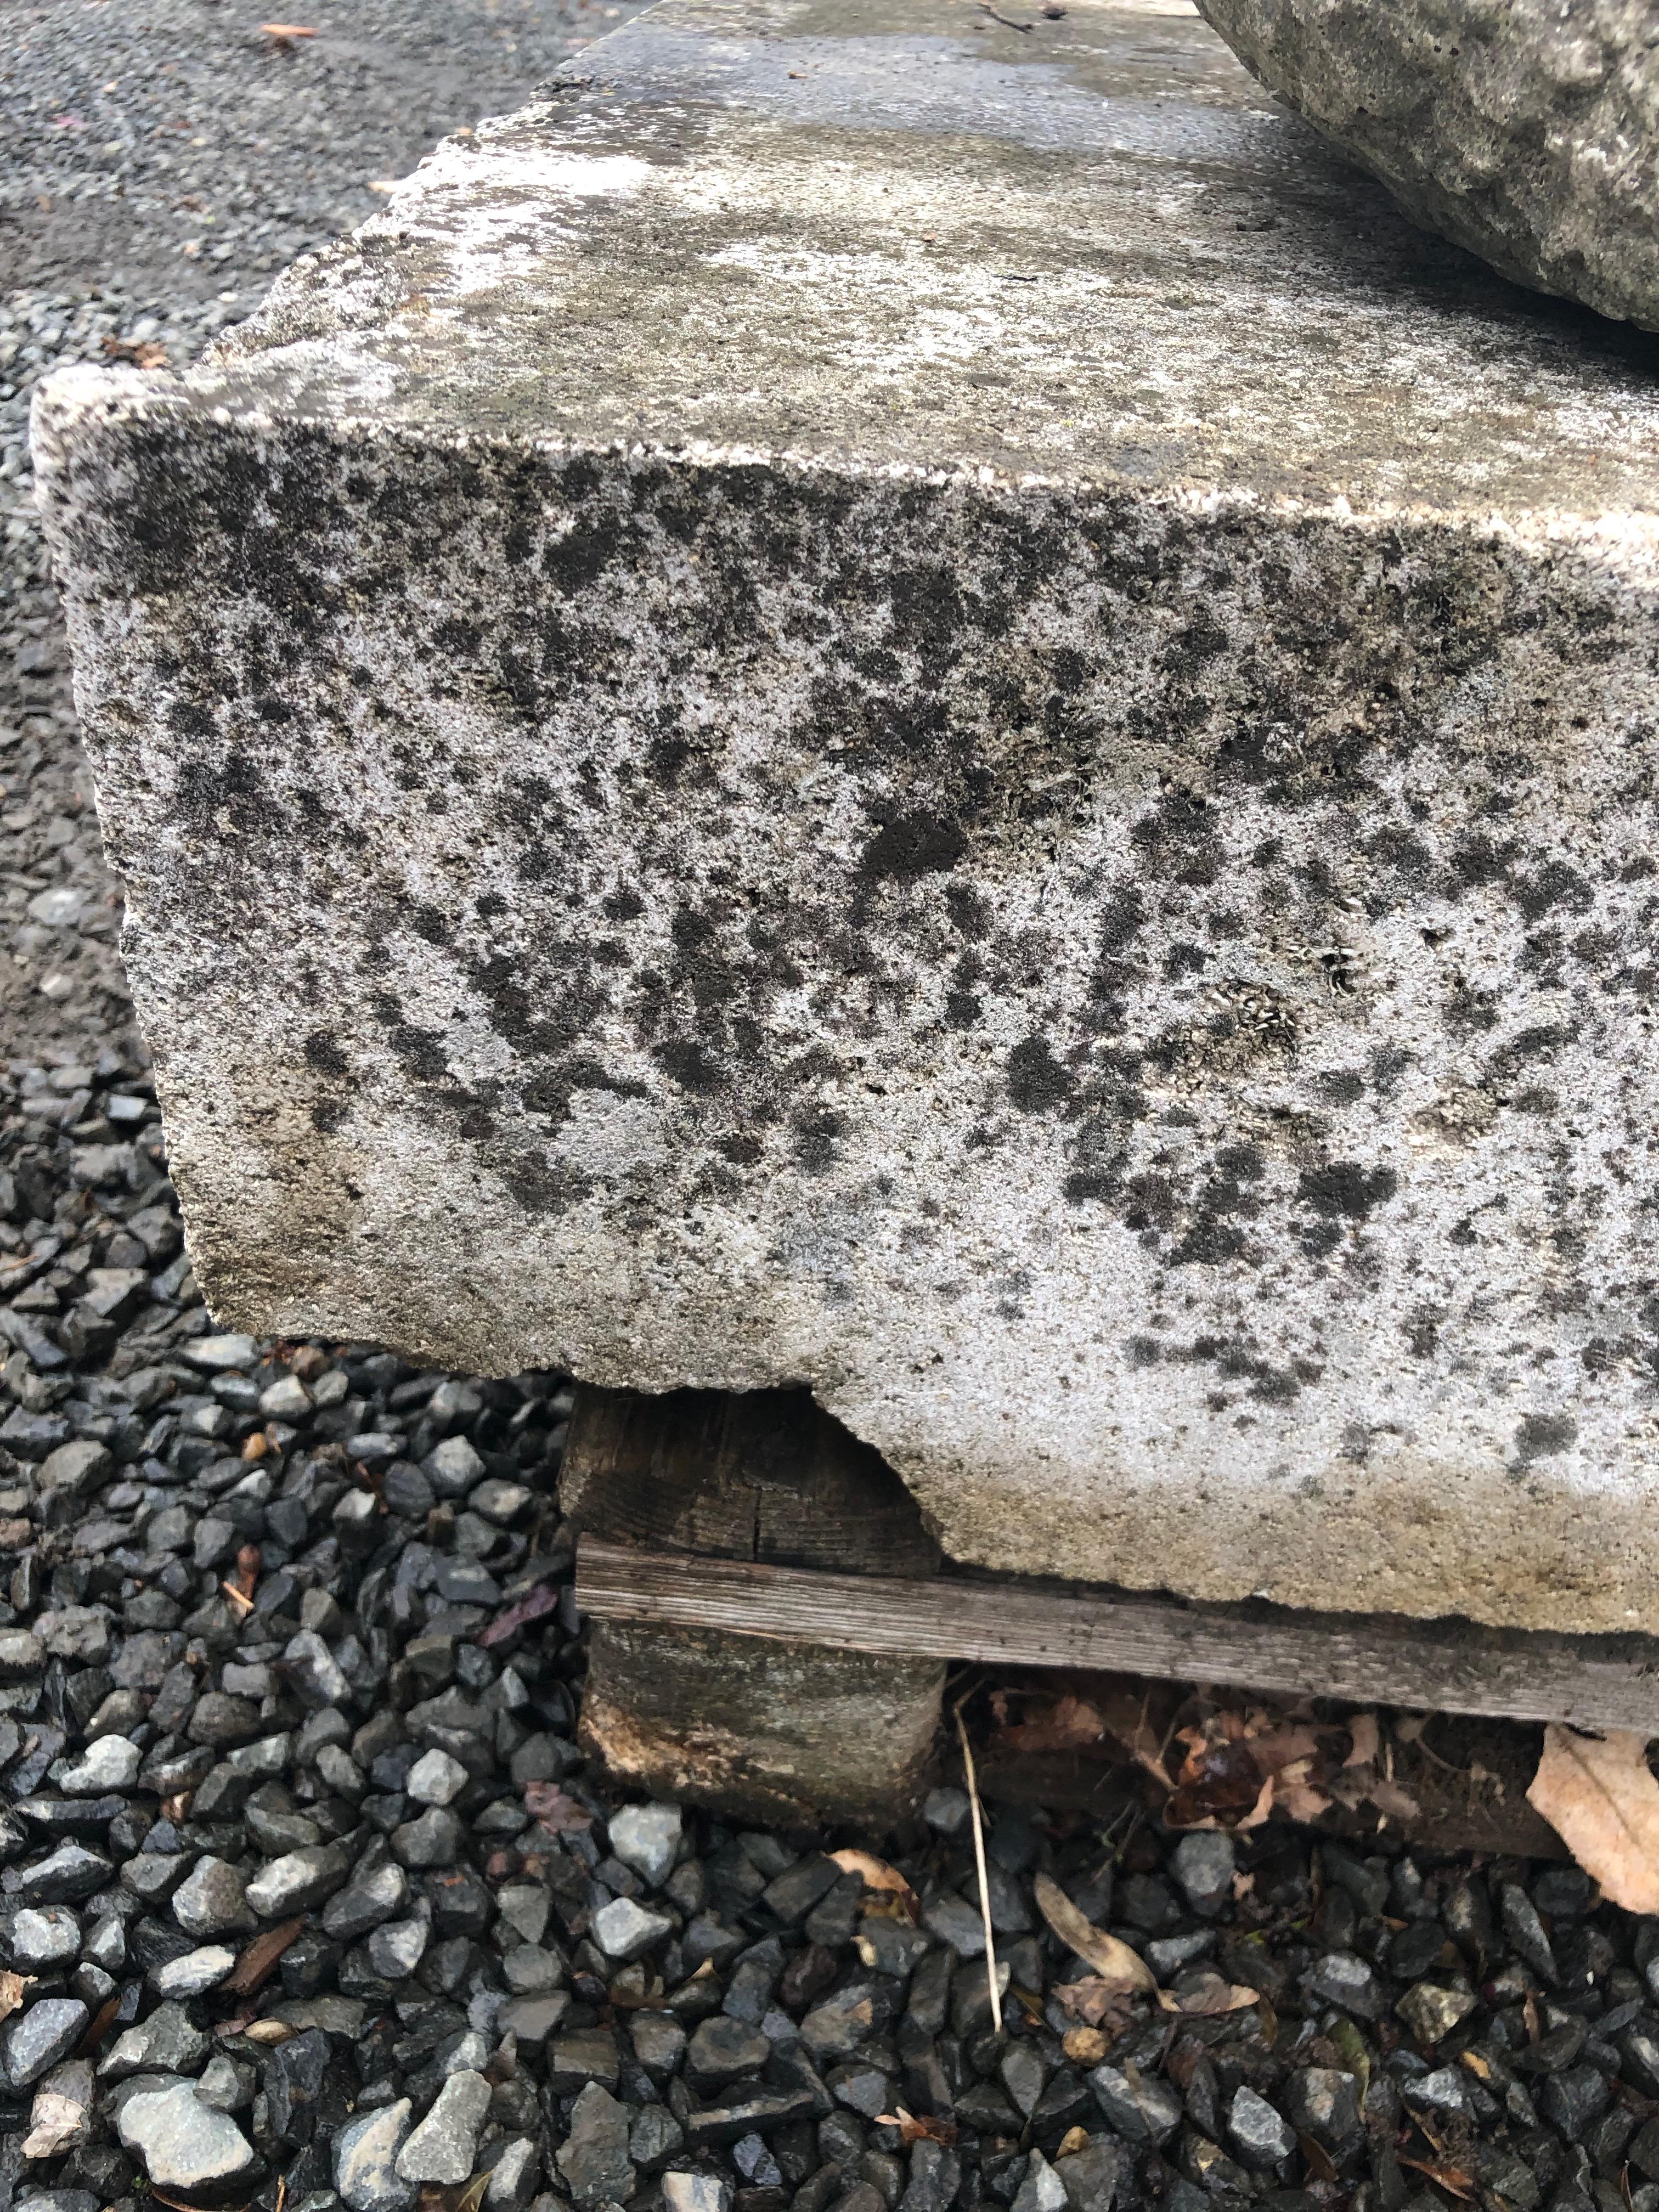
(884, 703)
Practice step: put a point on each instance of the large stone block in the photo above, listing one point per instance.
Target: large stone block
(1523, 130)
(885, 702)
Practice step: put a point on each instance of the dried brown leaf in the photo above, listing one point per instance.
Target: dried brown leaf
(1452, 2179)
(184, 2204)
(1204, 1995)
(926, 2128)
(260, 1958)
(1273, 1749)
(1070, 1723)
(1111, 1959)
(1124, 1714)
(12, 1987)
(1361, 1747)
(535, 1604)
(103, 2021)
(56, 2123)
(562, 1815)
(1320, 2165)
(1598, 1796)
(269, 2032)
(1386, 1794)
(1095, 2001)
(1294, 1794)
(876, 1873)
(1074, 2139)
(1085, 2046)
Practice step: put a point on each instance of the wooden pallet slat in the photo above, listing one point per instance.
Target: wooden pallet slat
(1429, 1667)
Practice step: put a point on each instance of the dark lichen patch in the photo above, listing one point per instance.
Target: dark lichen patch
(323, 1054)
(1544, 1435)
(1346, 1189)
(1037, 1083)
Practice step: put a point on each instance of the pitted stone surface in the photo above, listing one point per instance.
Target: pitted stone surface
(931, 712)
(1525, 132)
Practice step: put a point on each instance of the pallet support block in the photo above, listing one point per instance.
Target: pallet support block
(786, 1730)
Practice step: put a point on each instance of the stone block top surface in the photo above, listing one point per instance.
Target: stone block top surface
(856, 231)
(916, 706)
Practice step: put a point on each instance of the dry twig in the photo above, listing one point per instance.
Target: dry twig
(979, 1862)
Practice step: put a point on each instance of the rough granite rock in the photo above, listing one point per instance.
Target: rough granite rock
(1525, 131)
(884, 704)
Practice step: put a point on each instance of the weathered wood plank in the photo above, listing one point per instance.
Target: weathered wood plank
(1453, 1666)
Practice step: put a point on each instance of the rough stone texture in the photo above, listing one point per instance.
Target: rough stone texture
(928, 711)
(1524, 131)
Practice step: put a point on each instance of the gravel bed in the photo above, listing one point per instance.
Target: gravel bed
(307, 1894)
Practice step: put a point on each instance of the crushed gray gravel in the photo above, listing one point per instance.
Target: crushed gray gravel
(309, 1896)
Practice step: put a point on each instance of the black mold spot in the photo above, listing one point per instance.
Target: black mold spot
(816, 1139)
(921, 843)
(1345, 1188)
(1554, 884)
(969, 912)
(1478, 861)
(1540, 1435)
(323, 1053)
(688, 1064)
(1037, 1083)
(1389, 1063)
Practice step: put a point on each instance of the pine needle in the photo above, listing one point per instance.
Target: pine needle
(979, 1860)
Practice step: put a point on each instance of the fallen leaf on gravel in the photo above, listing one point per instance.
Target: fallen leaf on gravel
(535, 1606)
(1294, 1794)
(269, 2031)
(928, 2129)
(877, 1875)
(1320, 2165)
(1074, 2139)
(1598, 1796)
(1085, 2046)
(1362, 1751)
(57, 2123)
(142, 353)
(12, 1987)
(1204, 1995)
(1112, 1960)
(1070, 1723)
(1451, 2179)
(546, 1803)
(261, 1956)
(1095, 2001)
(874, 1873)
(1355, 2056)
(103, 2021)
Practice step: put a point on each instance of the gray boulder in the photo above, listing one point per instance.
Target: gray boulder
(1524, 132)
